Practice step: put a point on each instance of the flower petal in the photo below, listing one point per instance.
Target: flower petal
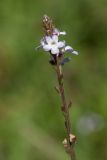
(47, 47)
(42, 42)
(68, 48)
(55, 50)
(62, 33)
(56, 32)
(61, 44)
(55, 38)
(75, 52)
(48, 39)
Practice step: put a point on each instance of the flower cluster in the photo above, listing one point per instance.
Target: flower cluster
(51, 43)
(54, 46)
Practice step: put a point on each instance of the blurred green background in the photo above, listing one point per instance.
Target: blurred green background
(31, 123)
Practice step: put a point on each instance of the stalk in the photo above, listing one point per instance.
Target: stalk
(57, 49)
(70, 139)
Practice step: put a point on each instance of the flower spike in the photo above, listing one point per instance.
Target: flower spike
(51, 43)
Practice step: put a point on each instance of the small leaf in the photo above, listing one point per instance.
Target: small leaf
(69, 104)
(57, 89)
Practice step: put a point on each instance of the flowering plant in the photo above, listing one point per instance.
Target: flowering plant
(50, 43)
(57, 50)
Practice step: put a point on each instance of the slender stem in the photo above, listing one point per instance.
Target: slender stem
(65, 110)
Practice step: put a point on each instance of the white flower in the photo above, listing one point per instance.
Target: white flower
(57, 32)
(70, 49)
(52, 44)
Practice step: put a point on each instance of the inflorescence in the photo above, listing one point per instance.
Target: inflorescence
(51, 43)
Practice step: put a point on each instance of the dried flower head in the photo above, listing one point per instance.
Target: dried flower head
(48, 25)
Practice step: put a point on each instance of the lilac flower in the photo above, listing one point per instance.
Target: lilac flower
(51, 43)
